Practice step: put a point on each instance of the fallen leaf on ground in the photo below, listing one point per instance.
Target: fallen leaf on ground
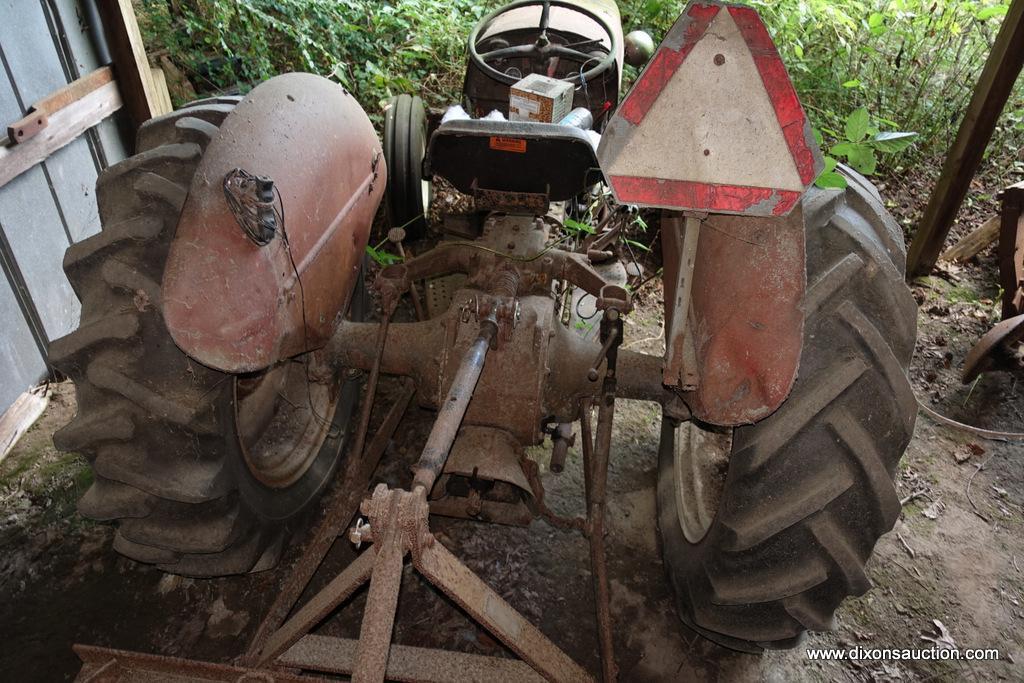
(942, 638)
(934, 510)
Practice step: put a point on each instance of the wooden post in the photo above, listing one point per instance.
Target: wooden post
(994, 87)
(141, 93)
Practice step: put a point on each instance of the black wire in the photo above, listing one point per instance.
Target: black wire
(577, 307)
(333, 429)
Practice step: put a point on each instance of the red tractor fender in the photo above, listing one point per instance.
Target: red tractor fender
(745, 319)
(714, 130)
(236, 306)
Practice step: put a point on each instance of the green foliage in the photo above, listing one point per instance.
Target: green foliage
(578, 227)
(864, 69)
(382, 257)
(374, 49)
(862, 142)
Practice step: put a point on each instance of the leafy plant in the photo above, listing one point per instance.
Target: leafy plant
(376, 50)
(578, 226)
(382, 257)
(861, 142)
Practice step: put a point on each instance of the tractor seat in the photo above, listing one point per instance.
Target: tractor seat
(546, 159)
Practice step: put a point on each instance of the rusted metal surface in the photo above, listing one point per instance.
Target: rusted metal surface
(105, 665)
(549, 361)
(382, 601)
(319, 606)
(339, 507)
(453, 409)
(562, 439)
(396, 236)
(681, 237)
(400, 521)
(746, 318)
(236, 306)
(994, 350)
(405, 663)
(1011, 250)
(488, 608)
(595, 455)
(483, 479)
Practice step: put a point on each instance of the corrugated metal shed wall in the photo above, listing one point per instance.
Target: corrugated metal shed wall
(44, 44)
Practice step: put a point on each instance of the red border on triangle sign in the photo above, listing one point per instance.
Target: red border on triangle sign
(704, 196)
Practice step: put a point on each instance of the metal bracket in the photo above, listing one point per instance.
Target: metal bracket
(680, 355)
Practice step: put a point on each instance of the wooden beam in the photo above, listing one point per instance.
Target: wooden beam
(141, 92)
(64, 126)
(22, 414)
(974, 242)
(997, 79)
(39, 113)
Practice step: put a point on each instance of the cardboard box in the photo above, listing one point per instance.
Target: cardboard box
(540, 99)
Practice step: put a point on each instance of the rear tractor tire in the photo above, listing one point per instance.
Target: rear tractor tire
(199, 469)
(766, 528)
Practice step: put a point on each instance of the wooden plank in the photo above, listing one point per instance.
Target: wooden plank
(997, 80)
(22, 414)
(68, 178)
(974, 242)
(65, 125)
(142, 97)
(38, 114)
(160, 80)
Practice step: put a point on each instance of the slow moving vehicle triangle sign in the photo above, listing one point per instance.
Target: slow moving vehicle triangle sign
(713, 124)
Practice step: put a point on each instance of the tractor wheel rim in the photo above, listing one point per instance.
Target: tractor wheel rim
(279, 434)
(424, 183)
(700, 468)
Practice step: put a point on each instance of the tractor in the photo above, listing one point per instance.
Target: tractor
(228, 350)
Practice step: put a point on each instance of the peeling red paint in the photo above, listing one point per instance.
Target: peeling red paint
(709, 196)
(748, 286)
(780, 89)
(233, 305)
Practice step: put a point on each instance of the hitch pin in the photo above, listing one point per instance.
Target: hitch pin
(593, 373)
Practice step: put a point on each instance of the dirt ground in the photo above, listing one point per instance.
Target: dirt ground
(956, 556)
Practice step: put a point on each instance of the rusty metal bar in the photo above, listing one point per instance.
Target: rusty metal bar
(105, 665)
(381, 603)
(320, 605)
(449, 417)
(339, 507)
(596, 466)
(371, 384)
(396, 236)
(677, 310)
(594, 372)
(405, 663)
(488, 608)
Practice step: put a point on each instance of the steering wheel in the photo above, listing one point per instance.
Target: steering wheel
(543, 48)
